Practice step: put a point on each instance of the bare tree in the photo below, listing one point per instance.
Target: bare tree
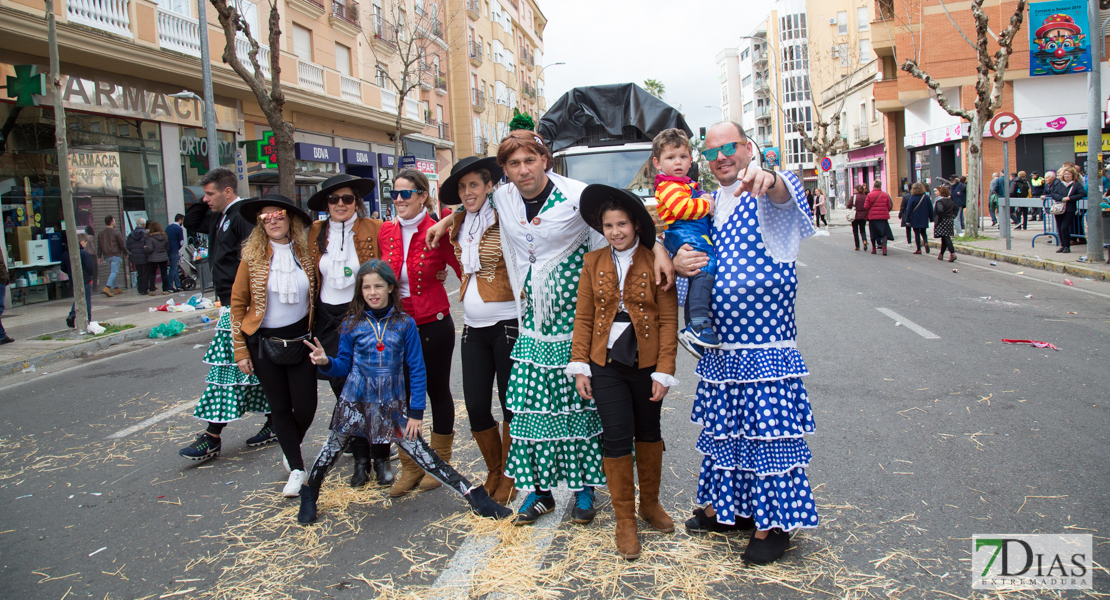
(990, 78)
(267, 89)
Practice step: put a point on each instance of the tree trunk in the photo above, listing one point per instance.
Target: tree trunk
(287, 161)
(974, 187)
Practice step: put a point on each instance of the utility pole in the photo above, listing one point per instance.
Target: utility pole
(209, 100)
(77, 276)
(1094, 140)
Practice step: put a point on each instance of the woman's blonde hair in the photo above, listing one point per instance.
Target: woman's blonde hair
(919, 189)
(1074, 173)
(254, 247)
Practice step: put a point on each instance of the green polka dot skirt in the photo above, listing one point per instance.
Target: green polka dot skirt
(229, 393)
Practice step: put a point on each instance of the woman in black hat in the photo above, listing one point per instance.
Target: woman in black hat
(339, 244)
(489, 312)
(623, 354)
(271, 313)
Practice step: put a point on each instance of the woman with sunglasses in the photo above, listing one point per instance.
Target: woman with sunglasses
(339, 245)
(271, 315)
(403, 246)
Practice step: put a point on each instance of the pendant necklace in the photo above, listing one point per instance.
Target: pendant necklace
(379, 334)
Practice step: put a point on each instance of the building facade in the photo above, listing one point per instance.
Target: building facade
(728, 76)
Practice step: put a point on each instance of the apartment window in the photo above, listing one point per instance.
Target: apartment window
(302, 43)
(864, 51)
(874, 112)
(381, 76)
(845, 58)
(842, 22)
(747, 81)
(724, 94)
(744, 54)
(401, 20)
(862, 115)
(343, 59)
(748, 107)
(862, 19)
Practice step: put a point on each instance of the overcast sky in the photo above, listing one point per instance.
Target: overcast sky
(620, 41)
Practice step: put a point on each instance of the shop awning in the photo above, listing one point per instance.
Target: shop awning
(870, 162)
(270, 177)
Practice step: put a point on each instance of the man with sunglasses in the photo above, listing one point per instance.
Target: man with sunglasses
(229, 393)
(751, 402)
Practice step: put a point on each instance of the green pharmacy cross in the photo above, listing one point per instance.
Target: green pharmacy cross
(26, 84)
(263, 151)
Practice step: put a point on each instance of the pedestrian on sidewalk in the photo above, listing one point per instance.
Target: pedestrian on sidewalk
(628, 371)
(4, 281)
(945, 211)
(809, 199)
(918, 216)
(88, 274)
(859, 218)
(1019, 188)
(156, 247)
(490, 320)
(271, 315)
(902, 206)
(175, 233)
(1068, 189)
(111, 246)
(822, 208)
(959, 197)
(136, 249)
(878, 206)
(997, 191)
(378, 344)
(1036, 190)
(230, 393)
(339, 245)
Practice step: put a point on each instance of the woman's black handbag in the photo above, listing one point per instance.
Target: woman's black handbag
(286, 352)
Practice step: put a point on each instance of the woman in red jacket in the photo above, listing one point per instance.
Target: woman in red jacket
(878, 206)
(403, 246)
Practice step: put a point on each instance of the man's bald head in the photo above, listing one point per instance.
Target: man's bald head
(728, 168)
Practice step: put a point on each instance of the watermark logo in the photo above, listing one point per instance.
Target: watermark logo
(1045, 561)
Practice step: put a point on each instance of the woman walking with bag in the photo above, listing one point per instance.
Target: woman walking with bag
(271, 318)
(1065, 191)
(919, 214)
(946, 211)
(490, 321)
(156, 247)
(878, 206)
(822, 208)
(339, 245)
(404, 247)
(859, 216)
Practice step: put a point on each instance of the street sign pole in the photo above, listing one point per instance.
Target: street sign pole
(999, 125)
(1005, 216)
(1094, 141)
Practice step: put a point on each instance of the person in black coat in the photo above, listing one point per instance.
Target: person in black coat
(1019, 188)
(218, 217)
(1068, 188)
(959, 197)
(136, 244)
(918, 212)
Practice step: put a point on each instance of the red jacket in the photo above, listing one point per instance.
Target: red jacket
(427, 299)
(878, 205)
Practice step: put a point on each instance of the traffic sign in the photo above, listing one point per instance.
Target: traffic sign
(826, 164)
(1006, 126)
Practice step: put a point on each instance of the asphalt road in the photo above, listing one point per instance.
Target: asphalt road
(930, 430)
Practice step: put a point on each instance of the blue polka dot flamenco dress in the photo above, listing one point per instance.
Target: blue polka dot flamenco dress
(751, 402)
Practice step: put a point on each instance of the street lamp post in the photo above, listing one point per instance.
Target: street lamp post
(540, 74)
(209, 100)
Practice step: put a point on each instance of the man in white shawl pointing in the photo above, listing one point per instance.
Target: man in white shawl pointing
(556, 433)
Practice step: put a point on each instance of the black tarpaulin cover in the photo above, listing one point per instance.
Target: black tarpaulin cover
(611, 106)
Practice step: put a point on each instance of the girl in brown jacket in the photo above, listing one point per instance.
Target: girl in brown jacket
(623, 354)
(271, 316)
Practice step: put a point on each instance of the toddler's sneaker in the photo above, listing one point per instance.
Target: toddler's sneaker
(690, 347)
(703, 336)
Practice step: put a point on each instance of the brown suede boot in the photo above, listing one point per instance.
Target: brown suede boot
(649, 462)
(506, 490)
(409, 477)
(489, 442)
(442, 446)
(622, 489)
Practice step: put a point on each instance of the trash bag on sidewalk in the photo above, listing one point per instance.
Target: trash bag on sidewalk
(166, 330)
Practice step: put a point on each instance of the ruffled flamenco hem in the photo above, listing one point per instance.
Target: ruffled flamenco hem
(229, 393)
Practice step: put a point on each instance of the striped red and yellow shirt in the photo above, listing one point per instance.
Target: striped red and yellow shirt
(676, 199)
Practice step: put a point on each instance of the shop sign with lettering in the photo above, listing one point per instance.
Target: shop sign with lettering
(358, 157)
(936, 136)
(386, 161)
(427, 167)
(97, 172)
(313, 153)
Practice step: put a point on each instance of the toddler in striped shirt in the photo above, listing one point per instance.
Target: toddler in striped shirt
(688, 213)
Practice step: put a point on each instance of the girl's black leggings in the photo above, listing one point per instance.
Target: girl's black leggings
(437, 342)
(290, 389)
(921, 237)
(417, 449)
(623, 398)
(946, 244)
(859, 230)
(485, 357)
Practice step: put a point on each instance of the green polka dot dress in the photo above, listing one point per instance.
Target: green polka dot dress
(556, 433)
(229, 393)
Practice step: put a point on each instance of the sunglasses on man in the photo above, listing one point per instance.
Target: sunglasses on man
(728, 149)
(347, 199)
(406, 194)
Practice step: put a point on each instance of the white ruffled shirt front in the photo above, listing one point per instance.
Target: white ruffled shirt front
(287, 293)
(338, 287)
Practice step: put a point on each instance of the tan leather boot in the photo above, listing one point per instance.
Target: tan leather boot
(107, 292)
(409, 477)
(489, 442)
(506, 490)
(622, 489)
(442, 446)
(649, 463)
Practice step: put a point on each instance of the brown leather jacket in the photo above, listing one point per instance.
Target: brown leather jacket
(248, 299)
(493, 278)
(654, 313)
(366, 241)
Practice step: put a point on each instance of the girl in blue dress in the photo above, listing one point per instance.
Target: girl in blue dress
(377, 342)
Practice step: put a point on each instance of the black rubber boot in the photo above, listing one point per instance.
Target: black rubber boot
(484, 506)
(361, 453)
(383, 471)
(309, 495)
(767, 550)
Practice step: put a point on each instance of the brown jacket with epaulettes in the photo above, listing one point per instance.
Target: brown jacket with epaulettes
(366, 241)
(492, 276)
(653, 312)
(248, 298)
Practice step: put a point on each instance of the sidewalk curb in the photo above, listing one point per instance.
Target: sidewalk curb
(80, 349)
(1077, 269)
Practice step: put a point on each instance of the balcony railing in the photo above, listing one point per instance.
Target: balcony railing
(444, 131)
(474, 9)
(476, 54)
(310, 75)
(763, 112)
(243, 48)
(429, 121)
(527, 57)
(347, 10)
(478, 100)
(863, 133)
(441, 81)
(389, 101)
(178, 32)
(385, 32)
(350, 88)
(112, 16)
(764, 141)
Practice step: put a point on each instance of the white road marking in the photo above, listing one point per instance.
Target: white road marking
(456, 580)
(801, 264)
(914, 327)
(122, 433)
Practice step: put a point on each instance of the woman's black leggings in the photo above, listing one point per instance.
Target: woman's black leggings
(437, 343)
(946, 244)
(290, 389)
(921, 237)
(623, 398)
(821, 217)
(859, 230)
(908, 230)
(1063, 228)
(485, 356)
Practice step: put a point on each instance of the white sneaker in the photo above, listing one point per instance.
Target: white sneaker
(285, 463)
(296, 480)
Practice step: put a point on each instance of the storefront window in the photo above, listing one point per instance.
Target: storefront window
(1057, 151)
(194, 159)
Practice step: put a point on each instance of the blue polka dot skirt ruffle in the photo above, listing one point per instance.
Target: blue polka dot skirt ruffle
(768, 410)
(773, 457)
(783, 501)
(746, 366)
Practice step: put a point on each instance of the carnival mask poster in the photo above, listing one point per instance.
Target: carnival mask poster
(1059, 40)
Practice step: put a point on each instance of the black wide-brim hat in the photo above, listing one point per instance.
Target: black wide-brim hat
(251, 207)
(362, 187)
(449, 189)
(597, 195)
